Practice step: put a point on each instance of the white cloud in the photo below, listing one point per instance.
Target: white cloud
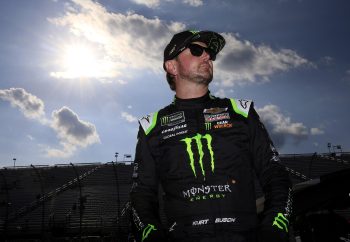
(128, 41)
(112, 81)
(30, 105)
(65, 152)
(326, 60)
(72, 132)
(242, 62)
(122, 82)
(128, 117)
(280, 126)
(193, 3)
(316, 131)
(220, 93)
(148, 3)
(133, 42)
(30, 137)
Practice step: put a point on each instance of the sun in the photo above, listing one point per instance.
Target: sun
(79, 61)
(82, 61)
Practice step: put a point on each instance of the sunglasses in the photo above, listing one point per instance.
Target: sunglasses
(197, 50)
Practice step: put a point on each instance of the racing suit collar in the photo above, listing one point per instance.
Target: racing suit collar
(192, 102)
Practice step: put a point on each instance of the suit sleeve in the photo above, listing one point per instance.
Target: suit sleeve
(143, 195)
(274, 180)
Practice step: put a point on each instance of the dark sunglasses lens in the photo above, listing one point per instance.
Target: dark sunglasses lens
(197, 50)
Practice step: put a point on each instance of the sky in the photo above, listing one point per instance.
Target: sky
(76, 75)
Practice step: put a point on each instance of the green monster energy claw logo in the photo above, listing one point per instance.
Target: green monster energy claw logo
(194, 31)
(207, 126)
(281, 222)
(198, 141)
(147, 231)
(164, 120)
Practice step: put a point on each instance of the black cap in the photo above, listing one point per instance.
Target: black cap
(180, 41)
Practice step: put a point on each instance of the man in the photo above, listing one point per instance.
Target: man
(205, 152)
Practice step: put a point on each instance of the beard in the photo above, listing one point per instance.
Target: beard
(202, 75)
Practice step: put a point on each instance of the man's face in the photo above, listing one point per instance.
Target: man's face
(197, 69)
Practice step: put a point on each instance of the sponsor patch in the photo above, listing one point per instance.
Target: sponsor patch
(175, 134)
(222, 125)
(174, 131)
(208, 192)
(173, 119)
(216, 117)
(218, 125)
(214, 110)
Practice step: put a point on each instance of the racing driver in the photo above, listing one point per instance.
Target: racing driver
(205, 152)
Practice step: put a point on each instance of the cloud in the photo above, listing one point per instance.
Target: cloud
(30, 137)
(316, 131)
(128, 41)
(133, 42)
(242, 62)
(31, 106)
(72, 132)
(193, 3)
(148, 3)
(326, 61)
(280, 126)
(128, 117)
(156, 3)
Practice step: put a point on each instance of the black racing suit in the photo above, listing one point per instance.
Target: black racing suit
(205, 153)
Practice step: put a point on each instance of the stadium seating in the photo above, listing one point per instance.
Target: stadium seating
(91, 200)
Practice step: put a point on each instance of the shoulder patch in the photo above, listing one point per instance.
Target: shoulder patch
(241, 106)
(148, 122)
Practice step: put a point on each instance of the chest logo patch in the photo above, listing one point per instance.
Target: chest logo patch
(173, 119)
(216, 117)
(214, 110)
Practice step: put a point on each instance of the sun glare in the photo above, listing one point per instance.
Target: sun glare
(80, 61)
(83, 62)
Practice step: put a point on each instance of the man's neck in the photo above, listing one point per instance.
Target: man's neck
(191, 91)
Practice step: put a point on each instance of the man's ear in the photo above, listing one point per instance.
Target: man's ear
(170, 67)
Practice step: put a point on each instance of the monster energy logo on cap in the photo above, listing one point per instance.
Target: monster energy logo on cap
(207, 126)
(198, 141)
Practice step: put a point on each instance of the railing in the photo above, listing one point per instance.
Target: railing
(46, 197)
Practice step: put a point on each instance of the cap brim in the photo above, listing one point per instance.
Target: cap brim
(213, 40)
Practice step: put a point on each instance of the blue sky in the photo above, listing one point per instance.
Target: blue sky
(77, 74)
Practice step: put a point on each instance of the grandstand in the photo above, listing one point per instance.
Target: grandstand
(68, 202)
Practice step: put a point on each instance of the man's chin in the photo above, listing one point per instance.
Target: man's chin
(207, 80)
